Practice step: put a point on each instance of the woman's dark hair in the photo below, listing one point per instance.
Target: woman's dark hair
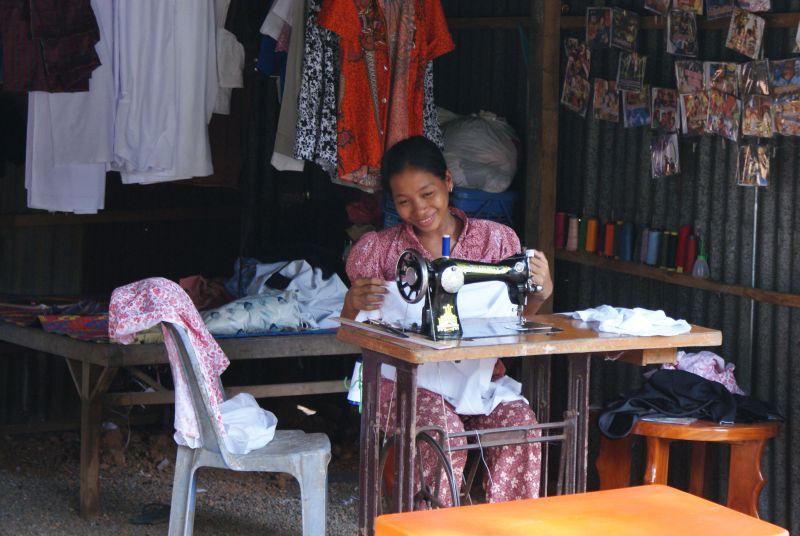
(416, 152)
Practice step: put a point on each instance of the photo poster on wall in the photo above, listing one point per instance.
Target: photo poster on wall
(757, 119)
(718, 9)
(689, 76)
(624, 29)
(682, 33)
(754, 78)
(753, 167)
(664, 109)
(576, 89)
(694, 113)
(745, 33)
(660, 7)
(630, 71)
(722, 76)
(786, 112)
(784, 76)
(724, 113)
(664, 155)
(598, 27)
(636, 108)
(605, 100)
(755, 6)
(692, 6)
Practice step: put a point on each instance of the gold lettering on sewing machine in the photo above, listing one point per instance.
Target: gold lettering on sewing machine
(483, 269)
(447, 321)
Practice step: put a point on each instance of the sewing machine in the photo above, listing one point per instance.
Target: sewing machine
(439, 281)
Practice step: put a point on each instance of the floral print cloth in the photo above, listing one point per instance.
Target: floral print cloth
(143, 304)
(708, 365)
(511, 472)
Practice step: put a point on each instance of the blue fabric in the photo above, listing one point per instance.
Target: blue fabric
(276, 333)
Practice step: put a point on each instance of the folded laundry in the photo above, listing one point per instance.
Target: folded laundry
(637, 321)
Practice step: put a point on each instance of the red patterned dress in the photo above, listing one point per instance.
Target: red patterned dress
(385, 48)
(513, 471)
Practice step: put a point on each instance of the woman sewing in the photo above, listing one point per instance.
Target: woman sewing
(415, 174)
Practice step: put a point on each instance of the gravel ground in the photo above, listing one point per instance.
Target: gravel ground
(39, 481)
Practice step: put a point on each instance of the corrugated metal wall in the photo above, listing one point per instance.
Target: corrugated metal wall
(604, 169)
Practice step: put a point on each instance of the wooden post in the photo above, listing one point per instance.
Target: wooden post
(543, 77)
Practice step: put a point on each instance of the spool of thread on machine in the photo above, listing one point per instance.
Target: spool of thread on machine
(591, 235)
(561, 224)
(653, 246)
(446, 245)
(572, 234)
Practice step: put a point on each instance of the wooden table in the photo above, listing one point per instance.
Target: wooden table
(643, 510)
(577, 341)
(94, 365)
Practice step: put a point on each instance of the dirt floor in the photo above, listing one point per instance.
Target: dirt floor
(39, 481)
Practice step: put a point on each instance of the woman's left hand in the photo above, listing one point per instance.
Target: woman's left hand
(540, 275)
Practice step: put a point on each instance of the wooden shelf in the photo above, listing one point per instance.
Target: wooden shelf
(655, 22)
(488, 22)
(121, 216)
(674, 278)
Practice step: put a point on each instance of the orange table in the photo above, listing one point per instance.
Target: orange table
(644, 510)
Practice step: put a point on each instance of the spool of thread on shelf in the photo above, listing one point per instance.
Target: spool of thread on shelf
(691, 254)
(572, 234)
(626, 241)
(672, 249)
(601, 238)
(644, 244)
(591, 235)
(561, 228)
(608, 243)
(680, 256)
(582, 233)
(653, 246)
(663, 247)
(617, 238)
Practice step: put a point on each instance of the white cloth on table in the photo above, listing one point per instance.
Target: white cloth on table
(320, 299)
(69, 136)
(637, 321)
(272, 310)
(467, 385)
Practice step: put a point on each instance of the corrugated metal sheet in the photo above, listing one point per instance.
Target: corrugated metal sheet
(604, 170)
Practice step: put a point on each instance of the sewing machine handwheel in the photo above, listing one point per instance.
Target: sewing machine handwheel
(412, 276)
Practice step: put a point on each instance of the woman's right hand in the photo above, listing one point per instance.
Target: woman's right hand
(364, 295)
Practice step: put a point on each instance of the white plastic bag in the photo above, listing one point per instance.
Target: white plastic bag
(249, 427)
(480, 150)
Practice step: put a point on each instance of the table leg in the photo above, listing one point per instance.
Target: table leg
(405, 449)
(578, 401)
(745, 480)
(92, 382)
(369, 479)
(537, 373)
(657, 469)
(614, 462)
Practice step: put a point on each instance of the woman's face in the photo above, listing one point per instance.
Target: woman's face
(421, 198)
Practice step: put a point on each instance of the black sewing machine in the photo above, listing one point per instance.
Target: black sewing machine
(439, 281)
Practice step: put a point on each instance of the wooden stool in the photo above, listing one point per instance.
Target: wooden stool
(744, 478)
(637, 511)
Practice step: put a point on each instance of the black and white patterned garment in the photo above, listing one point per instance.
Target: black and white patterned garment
(317, 103)
(430, 119)
(316, 139)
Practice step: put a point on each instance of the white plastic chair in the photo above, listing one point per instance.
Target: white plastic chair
(304, 456)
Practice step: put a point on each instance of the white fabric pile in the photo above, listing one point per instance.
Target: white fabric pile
(638, 321)
(271, 311)
(467, 385)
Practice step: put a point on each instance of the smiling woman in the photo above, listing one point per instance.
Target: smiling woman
(415, 174)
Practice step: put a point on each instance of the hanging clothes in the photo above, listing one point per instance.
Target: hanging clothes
(167, 89)
(230, 60)
(385, 50)
(315, 138)
(283, 151)
(48, 45)
(69, 137)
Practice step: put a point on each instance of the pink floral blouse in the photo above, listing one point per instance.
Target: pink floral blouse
(376, 254)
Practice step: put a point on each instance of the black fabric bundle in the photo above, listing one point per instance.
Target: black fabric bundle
(677, 393)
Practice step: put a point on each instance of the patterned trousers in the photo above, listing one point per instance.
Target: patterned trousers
(513, 470)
